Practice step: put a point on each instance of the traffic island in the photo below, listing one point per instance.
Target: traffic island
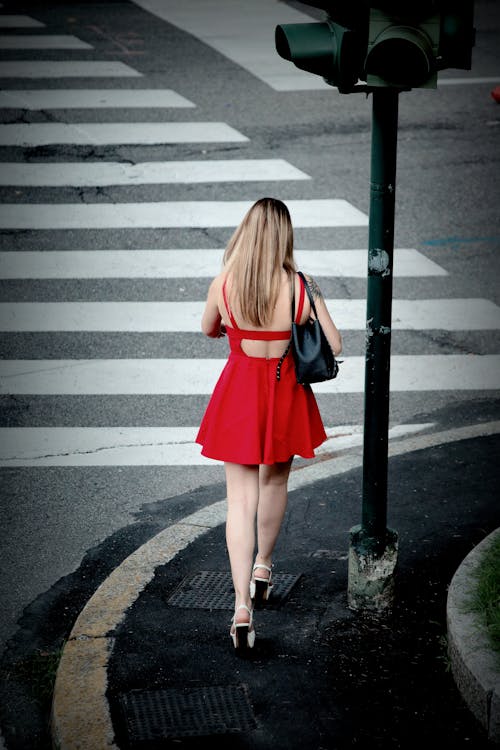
(474, 664)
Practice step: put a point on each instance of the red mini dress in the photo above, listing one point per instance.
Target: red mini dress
(254, 418)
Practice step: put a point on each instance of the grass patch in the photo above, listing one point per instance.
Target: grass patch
(38, 671)
(485, 599)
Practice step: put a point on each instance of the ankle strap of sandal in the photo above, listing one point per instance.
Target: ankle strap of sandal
(261, 565)
(244, 606)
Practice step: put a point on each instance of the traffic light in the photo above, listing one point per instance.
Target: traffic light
(402, 48)
(333, 49)
(398, 44)
(407, 46)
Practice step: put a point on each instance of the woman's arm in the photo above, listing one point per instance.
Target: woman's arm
(331, 331)
(211, 320)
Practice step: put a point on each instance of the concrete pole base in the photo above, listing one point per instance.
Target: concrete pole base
(371, 574)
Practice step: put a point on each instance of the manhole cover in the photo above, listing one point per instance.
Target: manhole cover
(211, 590)
(178, 712)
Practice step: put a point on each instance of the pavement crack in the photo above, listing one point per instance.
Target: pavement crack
(100, 449)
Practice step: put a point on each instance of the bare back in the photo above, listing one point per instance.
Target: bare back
(281, 321)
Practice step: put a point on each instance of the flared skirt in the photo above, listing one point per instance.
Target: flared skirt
(253, 418)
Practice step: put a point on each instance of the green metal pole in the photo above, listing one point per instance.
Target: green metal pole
(378, 316)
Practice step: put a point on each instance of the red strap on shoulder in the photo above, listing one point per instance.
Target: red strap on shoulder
(300, 306)
(231, 317)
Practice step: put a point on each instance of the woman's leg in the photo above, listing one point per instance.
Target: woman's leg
(242, 500)
(273, 496)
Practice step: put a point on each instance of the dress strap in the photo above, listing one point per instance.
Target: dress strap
(231, 316)
(252, 335)
(300, 306)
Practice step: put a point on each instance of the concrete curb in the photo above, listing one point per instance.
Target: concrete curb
(475, 668)
(80, 713)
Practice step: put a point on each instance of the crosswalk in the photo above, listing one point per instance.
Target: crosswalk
(181, 376)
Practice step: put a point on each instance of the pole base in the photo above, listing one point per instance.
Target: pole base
(371, 572)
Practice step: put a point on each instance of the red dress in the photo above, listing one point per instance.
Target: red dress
(254, 418)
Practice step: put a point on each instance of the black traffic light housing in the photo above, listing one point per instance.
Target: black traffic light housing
(398, 44)
(402, 48)
(327, 49)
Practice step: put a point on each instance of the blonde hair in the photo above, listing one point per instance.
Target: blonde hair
(259, 250)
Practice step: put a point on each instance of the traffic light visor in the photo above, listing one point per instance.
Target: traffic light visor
(307, 45)
(401, 56)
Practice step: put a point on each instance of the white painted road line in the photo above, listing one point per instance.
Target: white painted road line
(304, 213)
(349, 315)
(42, 41)
(66, 69)
(12, 22)
(96, 174)
(139, 446)
(104, 134)
(91, 99)
(243, 32)
(198, 376)
(465, 81)
(163, 264)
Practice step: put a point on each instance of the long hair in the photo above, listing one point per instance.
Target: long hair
(259, 250)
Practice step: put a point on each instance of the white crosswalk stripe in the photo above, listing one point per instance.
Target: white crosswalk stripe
(34, 99)
(304, 213)
(67, 69)
(151, 264)
(136, 446)
(126, 133)
(198, 376)
(96, 174)
(12, 21)
(349, 314)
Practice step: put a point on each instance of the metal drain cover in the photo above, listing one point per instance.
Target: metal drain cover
(178, 712)
(211, 590)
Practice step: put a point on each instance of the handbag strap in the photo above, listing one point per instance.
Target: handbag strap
(305, 286)
(311, 299)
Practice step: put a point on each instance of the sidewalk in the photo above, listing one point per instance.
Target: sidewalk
(320, 675)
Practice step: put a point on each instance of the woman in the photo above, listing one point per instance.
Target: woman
(256, 420)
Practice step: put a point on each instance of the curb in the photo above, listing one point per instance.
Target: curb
(474, 666)
(80, 717)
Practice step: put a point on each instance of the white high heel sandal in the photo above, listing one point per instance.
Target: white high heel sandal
(244, 634)
(260, 588)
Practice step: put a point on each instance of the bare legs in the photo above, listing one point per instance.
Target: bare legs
(260, 493)
(273, 496)
(242, 501)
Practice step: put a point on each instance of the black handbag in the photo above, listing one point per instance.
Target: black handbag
(313, 357)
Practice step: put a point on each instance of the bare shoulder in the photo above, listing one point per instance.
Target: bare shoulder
(216, 284)
(218, 280)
